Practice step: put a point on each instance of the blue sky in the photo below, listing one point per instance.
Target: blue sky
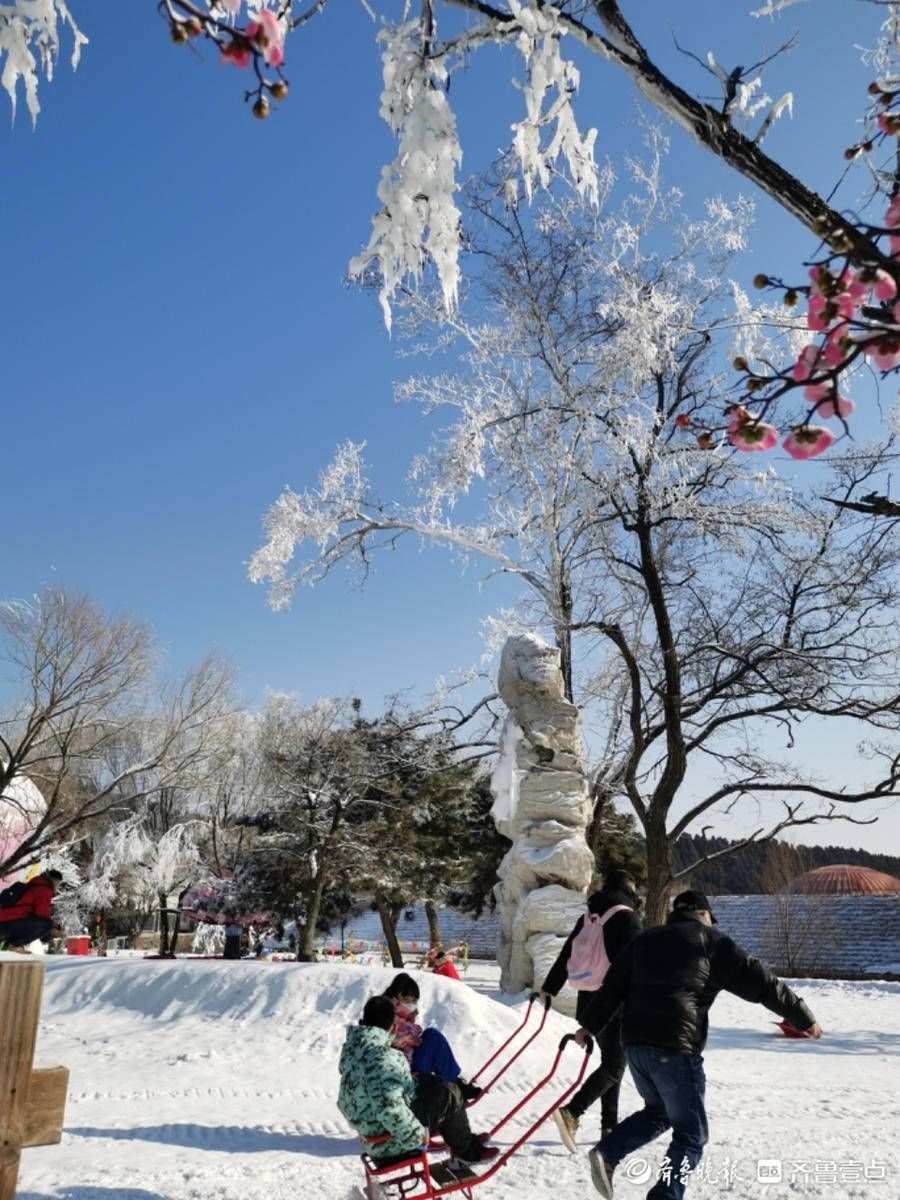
(180, 342)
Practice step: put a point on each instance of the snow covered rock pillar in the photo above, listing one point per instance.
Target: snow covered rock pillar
(541, 804)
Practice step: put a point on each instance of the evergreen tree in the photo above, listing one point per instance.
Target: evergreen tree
(615, 843)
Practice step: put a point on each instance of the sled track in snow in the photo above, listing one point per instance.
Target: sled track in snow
(197, 1093)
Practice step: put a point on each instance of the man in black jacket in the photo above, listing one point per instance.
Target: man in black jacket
(619, 891)
(664, 983)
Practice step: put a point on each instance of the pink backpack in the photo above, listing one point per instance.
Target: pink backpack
(588, 960)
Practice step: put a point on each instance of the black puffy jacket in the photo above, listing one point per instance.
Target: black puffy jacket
(668, 977)
(617, 933)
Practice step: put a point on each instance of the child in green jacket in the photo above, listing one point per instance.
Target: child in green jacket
(378, 1095)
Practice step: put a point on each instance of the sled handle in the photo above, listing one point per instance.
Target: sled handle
(548, 1000)
(509, 1040)
(588, 1044)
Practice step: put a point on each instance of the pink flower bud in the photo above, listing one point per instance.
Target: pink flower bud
(885, 288)
(806, 441)
(754, 435)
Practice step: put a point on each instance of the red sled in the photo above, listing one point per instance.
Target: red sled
(417, 1178)
(791, 1031)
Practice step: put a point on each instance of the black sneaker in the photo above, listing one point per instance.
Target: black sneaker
(468, 1091)
(476, 1151)
(601, 1174)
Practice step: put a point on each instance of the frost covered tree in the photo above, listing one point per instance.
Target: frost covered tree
(90, 721)
(705, 608)
(356, 810)
(318, 776)
(418, 220)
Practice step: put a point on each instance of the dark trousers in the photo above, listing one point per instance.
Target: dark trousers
(25, 930)
(433, 1056)
(603, 1084)
(673, 1088)
(439, 1106)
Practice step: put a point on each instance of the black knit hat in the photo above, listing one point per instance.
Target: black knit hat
(691, 901)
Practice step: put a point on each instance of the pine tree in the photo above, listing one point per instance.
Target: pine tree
(615, 843)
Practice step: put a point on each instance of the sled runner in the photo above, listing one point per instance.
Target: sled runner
(416, 1178)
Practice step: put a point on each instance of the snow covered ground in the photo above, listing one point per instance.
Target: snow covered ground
(200, 1080)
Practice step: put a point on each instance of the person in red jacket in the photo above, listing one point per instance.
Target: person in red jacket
(29, 917)
(442, 965)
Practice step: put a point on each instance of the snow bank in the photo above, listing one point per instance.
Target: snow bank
(195, 1080)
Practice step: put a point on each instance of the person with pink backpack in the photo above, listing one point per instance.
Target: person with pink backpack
(598, 938)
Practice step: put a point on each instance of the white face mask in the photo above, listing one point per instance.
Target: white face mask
(412, 1009)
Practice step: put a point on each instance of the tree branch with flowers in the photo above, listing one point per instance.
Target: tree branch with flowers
(851, 296)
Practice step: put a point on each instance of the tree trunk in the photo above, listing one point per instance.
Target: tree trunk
(390, 932)
(305, 948)
(659, 875)
(434, 932)
(563, 638)
(163, 945)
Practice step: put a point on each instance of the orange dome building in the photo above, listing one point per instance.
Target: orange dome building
(845, 880)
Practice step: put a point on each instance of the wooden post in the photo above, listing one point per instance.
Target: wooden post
(32, 1103)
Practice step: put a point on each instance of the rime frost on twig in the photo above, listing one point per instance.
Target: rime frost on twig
(783, 105)
(30, 40)
(419, 218)
(772, 7)
(536, 442)
(765, 332)
(539, 42)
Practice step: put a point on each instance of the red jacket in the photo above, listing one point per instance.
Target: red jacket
(35, 901)
(447, 969)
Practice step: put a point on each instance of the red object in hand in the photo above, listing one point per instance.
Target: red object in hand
(790, 1030)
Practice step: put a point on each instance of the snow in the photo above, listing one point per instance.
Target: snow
(506, 774)
(215, 1080)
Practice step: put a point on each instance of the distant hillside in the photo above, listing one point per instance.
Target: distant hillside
(744, 872)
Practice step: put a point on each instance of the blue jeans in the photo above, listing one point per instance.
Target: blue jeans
(673, 1088)
(434, 1056)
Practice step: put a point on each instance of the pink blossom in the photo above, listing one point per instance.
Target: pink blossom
(887, 123)
(826, 284)
(817, 391)
(892, 216)
(806, 363)
(815, 318)
(737, 418)
(854, 286)
(806, 441)
(897, 312)
(886, 355)
(268, 32)
(894, 243)
(834, 351)
(754, 435)
(834, 406)
(846, 305)
(827, 401)
(885, 288)
(238, 56)
(884, 351)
